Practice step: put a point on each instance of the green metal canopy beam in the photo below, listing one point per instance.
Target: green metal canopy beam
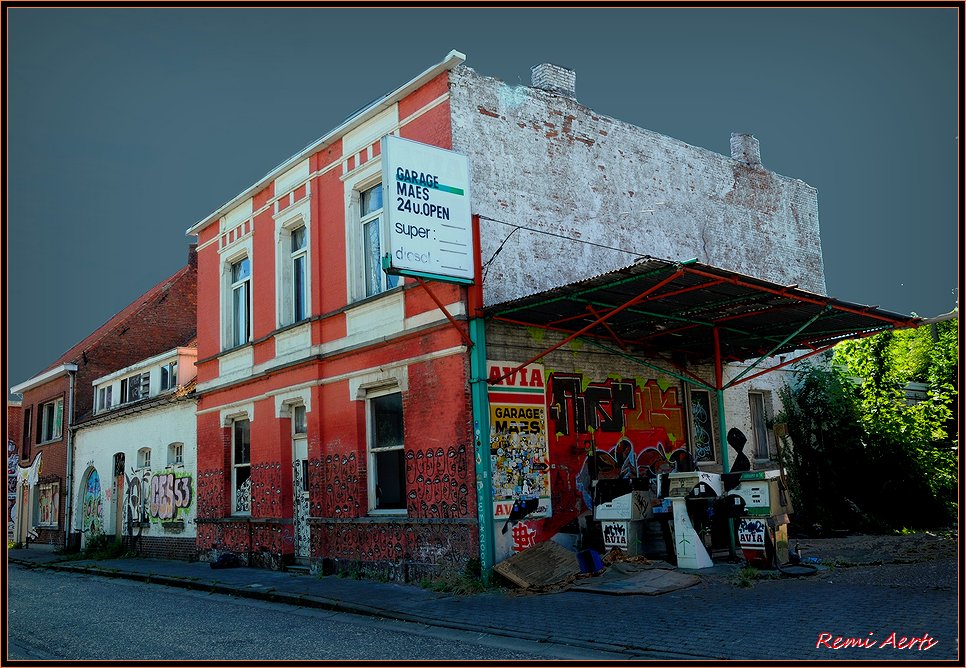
(621, 353)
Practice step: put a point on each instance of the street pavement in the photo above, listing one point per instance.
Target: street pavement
(821, 617)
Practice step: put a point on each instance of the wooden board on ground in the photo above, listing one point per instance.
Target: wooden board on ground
(542, 565)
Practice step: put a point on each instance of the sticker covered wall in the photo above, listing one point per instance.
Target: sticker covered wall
(519, 449)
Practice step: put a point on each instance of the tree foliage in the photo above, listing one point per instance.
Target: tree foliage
(861, 456)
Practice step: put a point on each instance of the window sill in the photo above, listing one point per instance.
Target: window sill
(390, 512)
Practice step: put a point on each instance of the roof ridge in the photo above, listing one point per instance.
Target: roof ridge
(119, 318)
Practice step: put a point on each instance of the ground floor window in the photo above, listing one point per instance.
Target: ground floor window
(241, 482)
(47, 508)
(387, 464)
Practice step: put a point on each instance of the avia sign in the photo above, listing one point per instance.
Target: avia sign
(427, 208)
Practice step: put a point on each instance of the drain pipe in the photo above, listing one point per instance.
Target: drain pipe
(72, 376)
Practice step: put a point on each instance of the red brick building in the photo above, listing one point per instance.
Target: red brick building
(62, 394)
(14, 430)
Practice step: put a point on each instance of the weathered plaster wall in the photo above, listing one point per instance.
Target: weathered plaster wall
(163, 496)
(545, 162)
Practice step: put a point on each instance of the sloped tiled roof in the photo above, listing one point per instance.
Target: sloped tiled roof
(119, 319)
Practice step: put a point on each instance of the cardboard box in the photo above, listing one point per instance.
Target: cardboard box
(681, 484)
(628, 536)
(632, 506)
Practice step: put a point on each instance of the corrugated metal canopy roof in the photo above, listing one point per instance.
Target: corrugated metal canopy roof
(657, 306)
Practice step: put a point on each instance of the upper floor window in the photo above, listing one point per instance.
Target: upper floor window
(27, 433)
(299, 253)
(169, 375)
(241, 302)
(370, 221)
(144, 458)
(175, 454)
(50, 421)
(105, 397)
(135, 387)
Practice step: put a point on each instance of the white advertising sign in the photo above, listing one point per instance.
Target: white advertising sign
(426, 193)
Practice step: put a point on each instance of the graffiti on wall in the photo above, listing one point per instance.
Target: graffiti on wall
(616, 427)
(171, 492)
(519, 445)
(12, 460)
(436, 480)
(134, 503)
(48, 504)
(92, 513)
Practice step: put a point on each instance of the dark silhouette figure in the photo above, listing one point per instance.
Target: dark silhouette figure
(737, 440)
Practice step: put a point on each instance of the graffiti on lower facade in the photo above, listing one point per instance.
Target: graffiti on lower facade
(48, 504)
(519, 445)
(92, 510)
(599, 428)
(171, 494)
(12, 460)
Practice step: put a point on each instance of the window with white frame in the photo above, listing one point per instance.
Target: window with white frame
(239, 331)
(169, 375)
(175, 454)
(300, 446)
(144, 458)
(703, 426)
(759, 424)
(372, 236)
(135, 387)
(299, 260)
(105, 397)
(241, 467)
(387, 463)
(50, 424)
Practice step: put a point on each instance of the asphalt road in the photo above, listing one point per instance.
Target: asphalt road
(61, 616)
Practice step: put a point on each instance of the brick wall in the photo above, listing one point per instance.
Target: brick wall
(566, 174)
(159, 547)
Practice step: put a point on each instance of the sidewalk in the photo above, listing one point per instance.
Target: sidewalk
(777, 618)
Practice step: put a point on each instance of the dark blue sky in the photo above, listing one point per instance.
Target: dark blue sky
(127, 126)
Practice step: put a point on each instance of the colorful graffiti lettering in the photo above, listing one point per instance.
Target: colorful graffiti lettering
(523, 537)
(615, 428)
(170, 493)
(12, 460)
(93, 507)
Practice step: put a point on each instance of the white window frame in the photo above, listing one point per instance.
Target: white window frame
(285, 223)
(300, 443)
(56, 426)
(171, 370)
(176, 454)
(143, 383)
(366, 178)
(144, 458)
(105, 397)
(238, 251)
(236, 466)
(372, 452)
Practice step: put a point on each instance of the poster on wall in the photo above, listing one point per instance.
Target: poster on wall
(519, 452)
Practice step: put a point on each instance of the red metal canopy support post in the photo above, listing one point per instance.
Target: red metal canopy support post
(442, 307)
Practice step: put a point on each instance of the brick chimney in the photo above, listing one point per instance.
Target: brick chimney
(744, 148)
(553, 79)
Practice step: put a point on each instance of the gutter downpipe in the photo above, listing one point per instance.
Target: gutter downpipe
(72, 375)
(481, 412)
(722, 427)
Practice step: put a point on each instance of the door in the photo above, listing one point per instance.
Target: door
(300, 483)
(118, 495)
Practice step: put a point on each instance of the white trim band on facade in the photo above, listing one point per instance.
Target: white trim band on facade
(42, 378)
(452, 59)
